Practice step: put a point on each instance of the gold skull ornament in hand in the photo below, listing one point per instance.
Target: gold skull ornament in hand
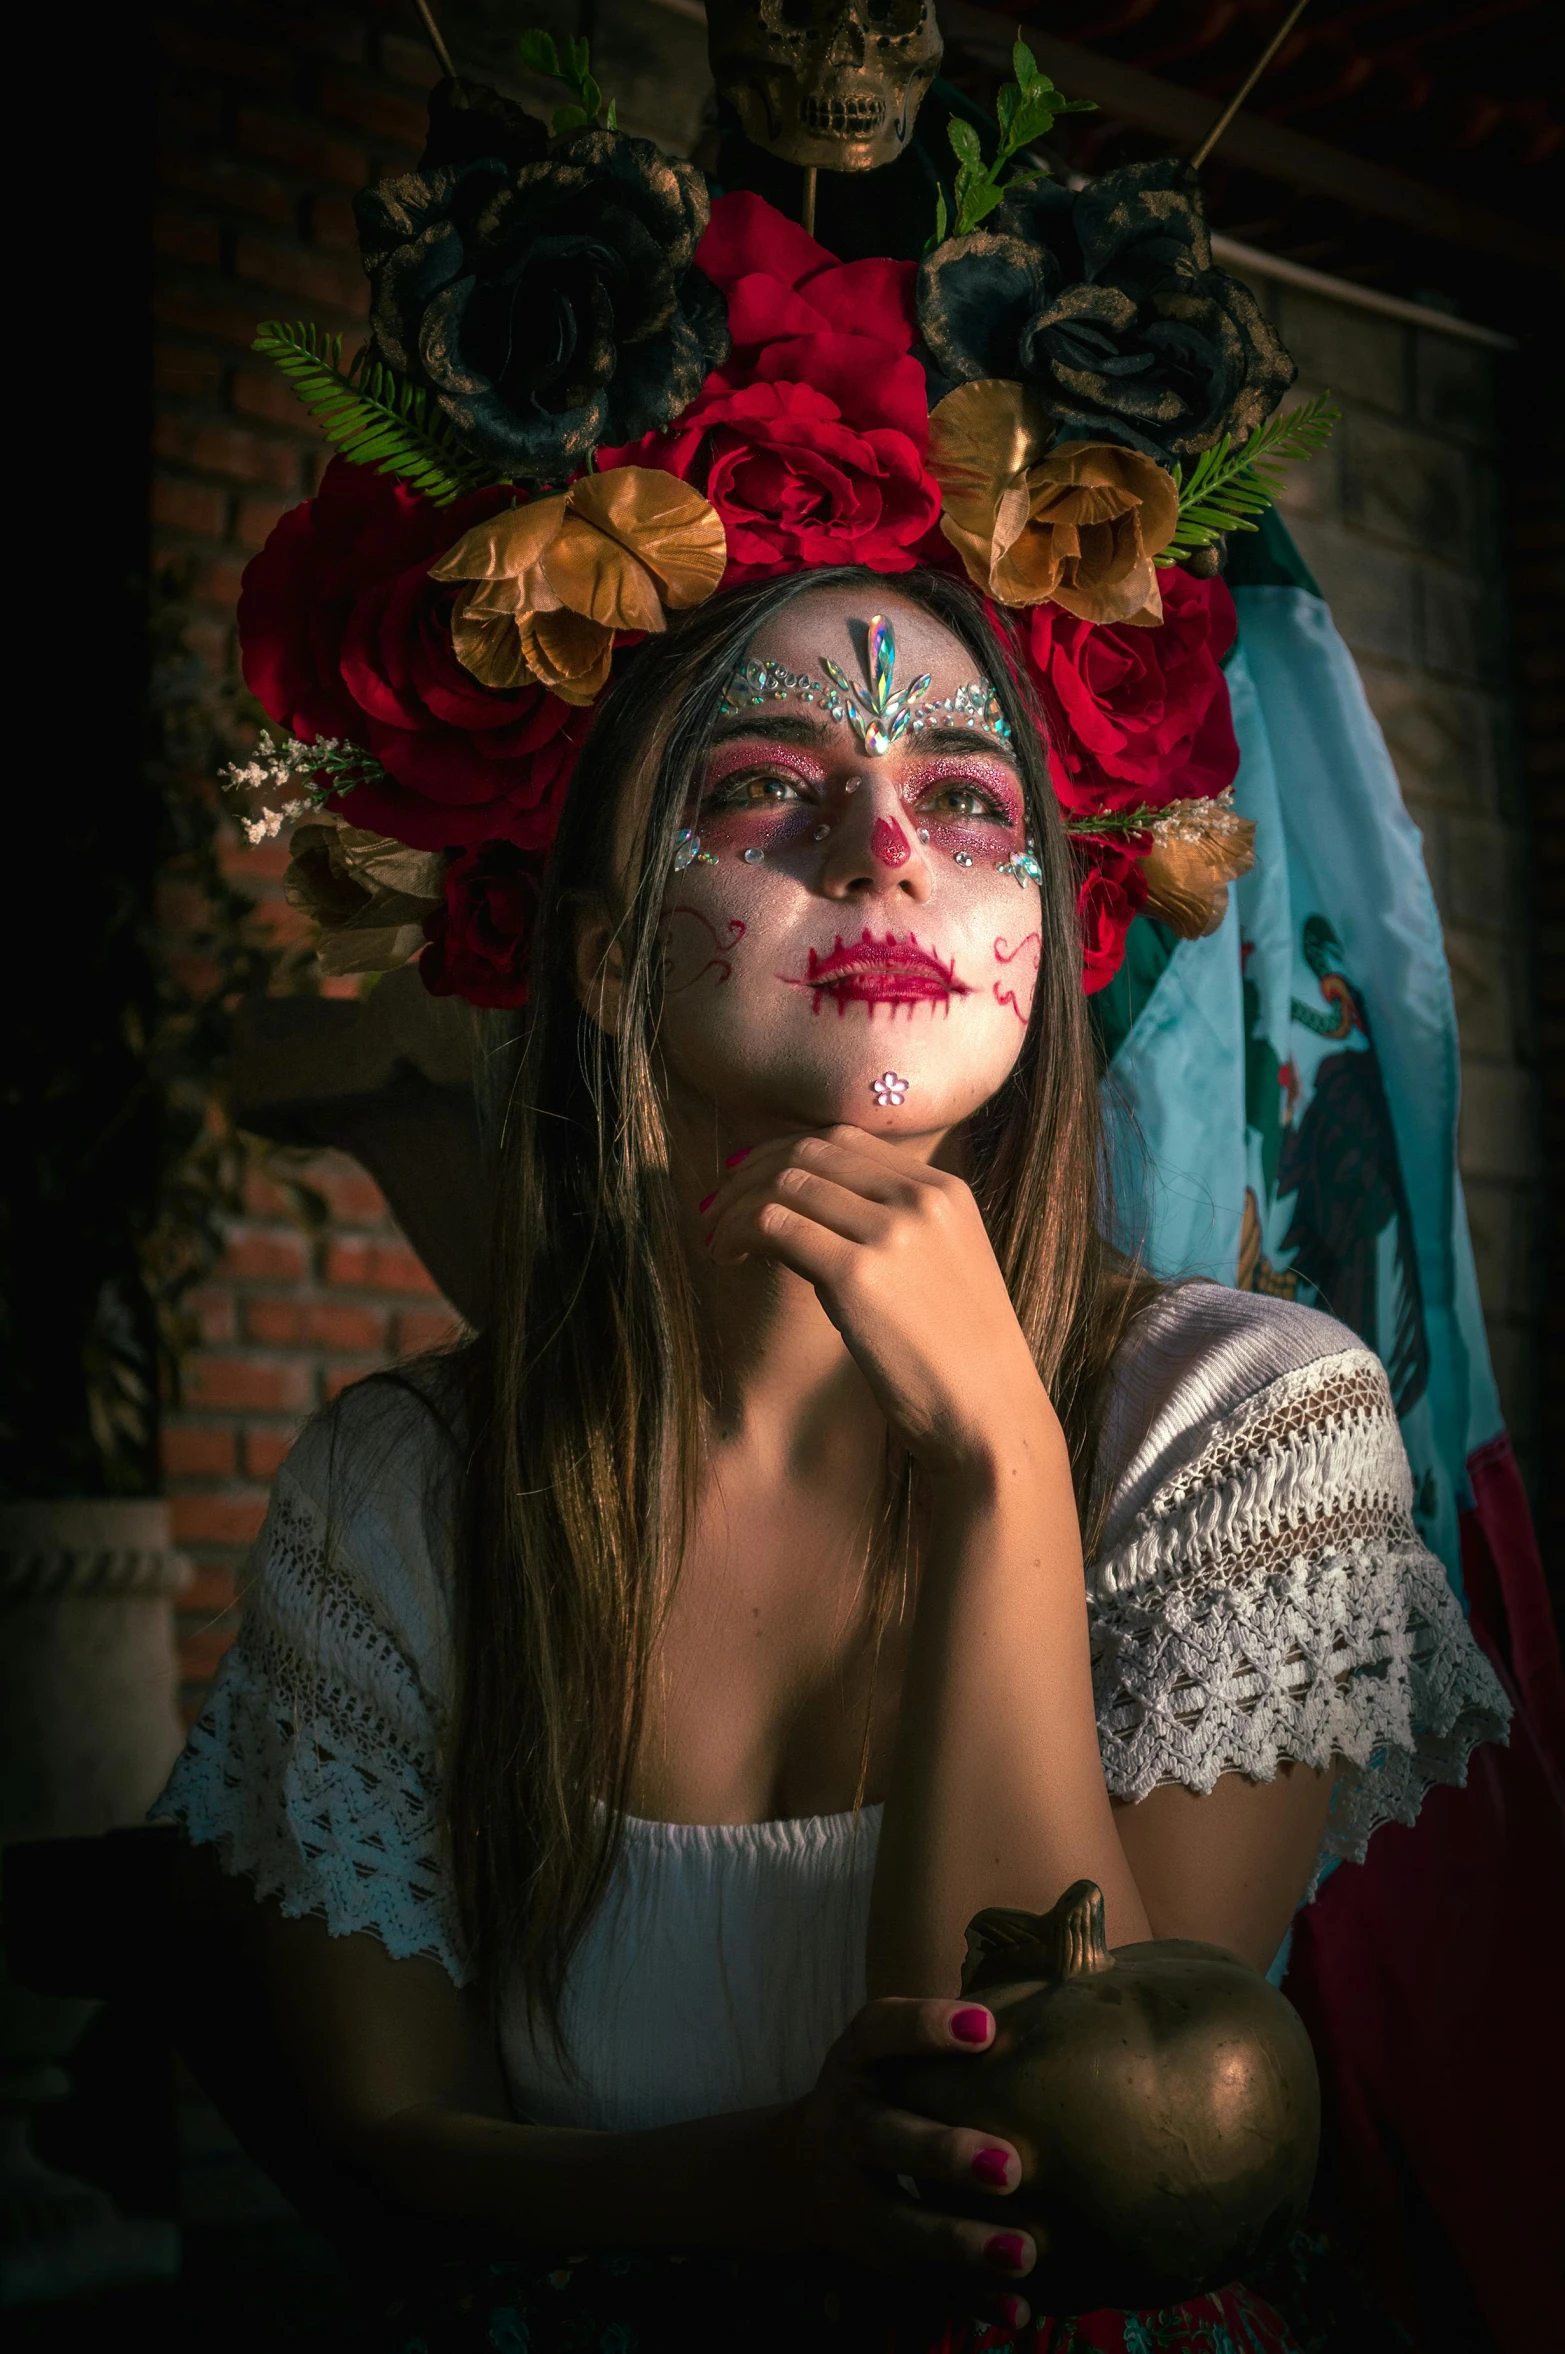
(1163, 2099)
(834, 85)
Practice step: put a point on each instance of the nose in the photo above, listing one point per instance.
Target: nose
(874, 852)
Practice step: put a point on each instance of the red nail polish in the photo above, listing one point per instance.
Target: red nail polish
(1014, 2311)
(971, 2026)
(993, 2169)
(707, 1204)
(735, 1158)
(1007, 2248)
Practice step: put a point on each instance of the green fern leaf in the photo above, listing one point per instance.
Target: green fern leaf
(1228, 488)
(375, 418)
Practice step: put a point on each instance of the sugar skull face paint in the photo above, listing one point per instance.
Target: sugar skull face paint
(857, 926)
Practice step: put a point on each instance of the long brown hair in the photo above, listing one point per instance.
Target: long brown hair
(588, 1386)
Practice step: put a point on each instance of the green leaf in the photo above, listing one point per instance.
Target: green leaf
(373, 417)
(1035, 121)
(1227, 488)
(569, 118)
(1006, 104)
(964, 143)
(539, 54)
(1023, 64)
(942, 217)
(611, 119)
(977, 205)
(591, 97)
(581, 58)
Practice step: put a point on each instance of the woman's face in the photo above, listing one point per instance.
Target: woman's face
(855, 953)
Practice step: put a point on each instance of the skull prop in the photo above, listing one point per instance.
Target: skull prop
(833, 84)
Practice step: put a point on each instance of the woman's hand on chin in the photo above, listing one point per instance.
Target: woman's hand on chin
(902, 1264)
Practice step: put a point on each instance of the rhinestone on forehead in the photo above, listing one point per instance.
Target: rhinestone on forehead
(879, 717)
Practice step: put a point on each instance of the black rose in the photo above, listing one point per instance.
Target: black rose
(1109, 305)
(551, 305)
(468, 121)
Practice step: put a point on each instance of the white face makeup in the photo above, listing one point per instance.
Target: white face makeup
(845, 947)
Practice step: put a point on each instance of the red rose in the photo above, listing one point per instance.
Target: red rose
(811, 442)
(345, 635)
(1111, 893)
(1138, 715)
(481, 940)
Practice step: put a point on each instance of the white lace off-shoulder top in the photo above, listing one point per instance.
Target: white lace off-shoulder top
(1260, 1593)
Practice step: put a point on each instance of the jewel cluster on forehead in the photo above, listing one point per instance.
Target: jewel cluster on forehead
(880, 714)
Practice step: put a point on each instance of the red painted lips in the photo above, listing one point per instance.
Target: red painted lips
(875, 972)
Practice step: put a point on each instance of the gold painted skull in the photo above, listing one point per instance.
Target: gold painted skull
(829, 83)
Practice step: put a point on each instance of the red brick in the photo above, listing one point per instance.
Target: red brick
(304, 276)
(362, 1265)
(190, 375)
(418, 1329)
(352, 1194)
(341, 1374)
(257, 519)
(229, 450)
(256, 1256)
(331, 1324)
(267, 1450)
(230, 186)
(218, 316)
(211, 1591)
(189, 506)
(197, 1450)
(213, 1312)
(185, 237)
(300, 147)
(201, 1652)
(262, 392)
(413, 62)
(332, 223)
(254, 1385)
(217, 582)
(238, 61)
(216, 1520)
(400, 120)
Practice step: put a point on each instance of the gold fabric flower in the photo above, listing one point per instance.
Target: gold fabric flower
(1077, 525)
(366, 894)
(555, 579)
(1198, 849)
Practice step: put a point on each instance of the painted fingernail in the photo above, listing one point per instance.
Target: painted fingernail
(735, 1158)
(1007, 2248)
(1014, 2311)
(971, 2026)
(993, 2169)
(707, 1204)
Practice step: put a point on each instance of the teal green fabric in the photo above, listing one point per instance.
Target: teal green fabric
(1282, 1099)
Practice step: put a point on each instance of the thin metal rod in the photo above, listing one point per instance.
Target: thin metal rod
(1243, 92)
(435, 42)
(807, 209)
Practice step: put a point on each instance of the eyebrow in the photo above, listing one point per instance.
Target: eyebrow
(795, 728)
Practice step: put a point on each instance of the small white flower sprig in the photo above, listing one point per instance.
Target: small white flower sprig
(330, 768)
(1206, 820)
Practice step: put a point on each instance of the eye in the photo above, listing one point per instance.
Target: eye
(959, 800)
(754, 789)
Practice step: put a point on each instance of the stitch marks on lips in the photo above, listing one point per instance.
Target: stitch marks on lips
(871, 972)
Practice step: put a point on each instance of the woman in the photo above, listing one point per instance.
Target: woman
(632, 1709)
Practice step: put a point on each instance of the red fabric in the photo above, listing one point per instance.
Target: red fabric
(1428, 1977)
(1231, 2316)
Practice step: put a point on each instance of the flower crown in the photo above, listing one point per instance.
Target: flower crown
(594, 395)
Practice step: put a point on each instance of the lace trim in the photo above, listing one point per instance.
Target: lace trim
(1273, 1602)
(313, 1767)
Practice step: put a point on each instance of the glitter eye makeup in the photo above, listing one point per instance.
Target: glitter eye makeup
(990, 788)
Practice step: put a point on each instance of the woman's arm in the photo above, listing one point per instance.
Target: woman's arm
(998, 1794)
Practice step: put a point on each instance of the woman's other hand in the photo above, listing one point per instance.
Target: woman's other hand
(839, 2151)
(901, 1261)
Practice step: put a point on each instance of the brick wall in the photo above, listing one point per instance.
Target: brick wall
(1401, 520)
